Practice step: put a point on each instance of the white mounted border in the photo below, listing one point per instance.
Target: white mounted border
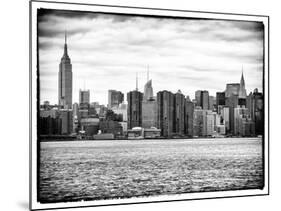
(34, 5)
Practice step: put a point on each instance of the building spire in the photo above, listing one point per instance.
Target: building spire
(65, 44)
(242, 81)
(242, 89)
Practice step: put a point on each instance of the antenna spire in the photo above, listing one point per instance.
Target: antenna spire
(65, 45)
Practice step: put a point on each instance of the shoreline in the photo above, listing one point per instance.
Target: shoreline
(147, 140)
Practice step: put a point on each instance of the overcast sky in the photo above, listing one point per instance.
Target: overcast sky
(107, 50)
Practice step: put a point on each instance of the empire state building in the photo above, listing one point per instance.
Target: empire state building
(65, 80)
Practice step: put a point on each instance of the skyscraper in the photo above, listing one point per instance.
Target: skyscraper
(243, 125)
(225, 116)
(231, 102)
(165, 112)
(255, 106)
(148, 90)
(202, 99)
(134, 113)
(220, 99)
(149, 113)
(179, 113)
(65, 80)
(232, 89)
(84, 97)
(208, 123)
(115, 98)
(212, 102)
(189, 113)
(242, 95)
(198, 122)
(149, 106)
(66, 119)
(84, 103)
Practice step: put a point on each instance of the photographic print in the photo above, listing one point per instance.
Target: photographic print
(133, 105)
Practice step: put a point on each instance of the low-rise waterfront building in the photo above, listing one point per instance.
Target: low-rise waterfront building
(90, 125)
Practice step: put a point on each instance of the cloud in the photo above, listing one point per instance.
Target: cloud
(107, 50)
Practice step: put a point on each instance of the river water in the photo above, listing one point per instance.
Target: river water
(94, 170)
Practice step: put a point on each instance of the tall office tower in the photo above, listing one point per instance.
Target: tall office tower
(65, 80)
(84, 104)
(179, 113)
(242, 95)
(243, 125)
(232, 89)
(208, 123)
(212, 102)
(148, 90)
(255, 106)
(75, 118)
(202, 99)
(165, 112)
(231, 102)
(205, 100)
(149, 106)
(220, 100)
(115, 98)
(198, 122)
(134, 113)
(189, 113)
(75, 109)
(149, 113)
(84, 97)
(66, 117)
(225, 116)
(198, 98)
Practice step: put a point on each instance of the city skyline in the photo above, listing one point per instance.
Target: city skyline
(102, 65)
